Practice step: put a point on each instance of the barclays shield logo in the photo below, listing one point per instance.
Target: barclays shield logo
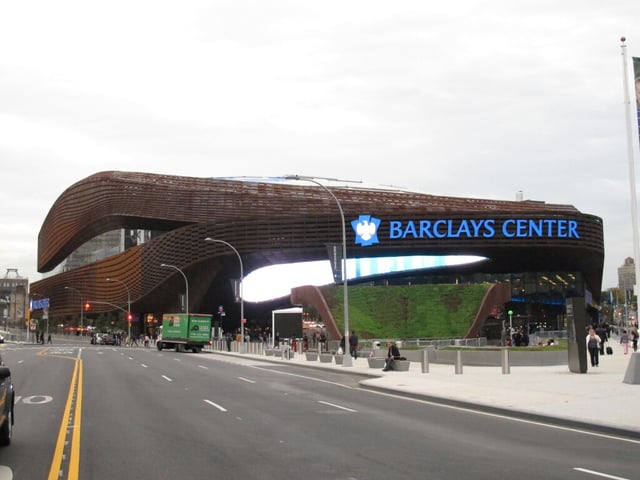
(366, 230)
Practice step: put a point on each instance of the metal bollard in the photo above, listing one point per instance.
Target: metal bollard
(459, 362)
(506, 364)
(425, 361)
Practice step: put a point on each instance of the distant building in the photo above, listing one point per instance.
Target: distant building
(13, 298)
(627, 277)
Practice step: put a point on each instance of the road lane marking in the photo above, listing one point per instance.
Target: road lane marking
(505, 417)
(167, 378)
(213, 404)
(35, 399)
(71, 422)
(246, 380)
(74, 463)
(203, 367)
(306, 377)
(600, 474)
(337, 406)
(143, 365)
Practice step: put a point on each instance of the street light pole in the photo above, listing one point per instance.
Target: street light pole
(346, 359)
(214, 240)
(128, 305)
(81, 306)
(186, 282)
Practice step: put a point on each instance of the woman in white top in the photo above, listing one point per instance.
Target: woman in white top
(593, 345)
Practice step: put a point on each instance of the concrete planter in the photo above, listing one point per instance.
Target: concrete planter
(269, 352)
(311, 356)
(401, 365)
(339, 359)
(376, 362)
(326, 358)
(277, 352)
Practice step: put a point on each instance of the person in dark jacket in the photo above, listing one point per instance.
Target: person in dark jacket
(353, 344)
(601, 332)
(392, 354)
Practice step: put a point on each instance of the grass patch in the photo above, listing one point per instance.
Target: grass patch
(407, 311)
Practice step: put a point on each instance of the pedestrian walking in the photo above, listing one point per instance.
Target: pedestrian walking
(624, 341)
(593, 345)
(353, 344)
(601, 332)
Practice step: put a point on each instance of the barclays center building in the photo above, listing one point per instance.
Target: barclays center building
(124, 226)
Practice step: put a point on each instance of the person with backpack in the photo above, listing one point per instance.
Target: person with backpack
(593, 345)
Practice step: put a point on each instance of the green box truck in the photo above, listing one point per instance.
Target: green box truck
(185, 332)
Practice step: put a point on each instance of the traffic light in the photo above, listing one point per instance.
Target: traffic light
(129, 317)
(87, 306)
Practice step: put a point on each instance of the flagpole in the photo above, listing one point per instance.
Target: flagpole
(632, 171)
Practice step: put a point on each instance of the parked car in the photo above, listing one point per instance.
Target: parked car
(7, 399)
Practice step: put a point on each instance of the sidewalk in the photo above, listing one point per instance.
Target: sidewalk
(598, 398)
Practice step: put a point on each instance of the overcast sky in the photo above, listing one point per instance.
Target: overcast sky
(468, 98)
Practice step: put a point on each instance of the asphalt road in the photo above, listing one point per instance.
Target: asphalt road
(94, 412)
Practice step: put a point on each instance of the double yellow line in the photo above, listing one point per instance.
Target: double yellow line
(70, 425)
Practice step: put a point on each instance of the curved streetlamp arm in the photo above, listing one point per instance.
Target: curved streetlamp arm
(346, 360)
(215, 240)
(81, 305)
(186, 282)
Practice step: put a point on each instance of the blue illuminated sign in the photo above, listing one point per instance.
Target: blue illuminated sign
(366, 229)
(39, 303)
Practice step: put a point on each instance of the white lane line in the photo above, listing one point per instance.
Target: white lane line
(600, 474)
(167, 378)
(507, 417)
(246, 380)
(143, 365)
(337, 406)
(456, 407)
(213, 404)
(203, 367)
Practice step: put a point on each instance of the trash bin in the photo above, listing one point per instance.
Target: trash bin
(375, 346)
(399, 343)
